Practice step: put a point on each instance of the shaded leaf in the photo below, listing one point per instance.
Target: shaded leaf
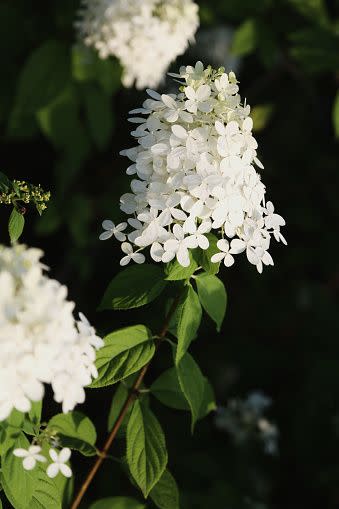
(15, 225)
(175, 272)
(43, 76)
(213, 297)
(167, 389)
(133, 287)
(117, 503)
(245, 38)
(189, 317)
(76, 431)
(146, 448)
(165, 493)
(192, 384)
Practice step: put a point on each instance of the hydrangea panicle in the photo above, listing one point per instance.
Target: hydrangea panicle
(146, 36)
(194, 172)
(40, 340)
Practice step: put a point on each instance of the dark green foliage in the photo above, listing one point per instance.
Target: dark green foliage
(63, 119)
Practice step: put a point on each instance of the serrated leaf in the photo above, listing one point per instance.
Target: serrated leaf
(125, 352)
(117, 503)
(146, 448)
(175, 272)
(76, 431)
(165, 493)
(189, 318)
(213, 297)
(245, 38)
(133, 287)
(167, 389)
(15, 225)
(192, 384)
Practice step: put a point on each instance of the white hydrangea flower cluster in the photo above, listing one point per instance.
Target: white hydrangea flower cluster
(193, 173)
(146, 36)
(40, 341)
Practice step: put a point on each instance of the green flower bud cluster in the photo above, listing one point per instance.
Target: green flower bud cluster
(16, 191)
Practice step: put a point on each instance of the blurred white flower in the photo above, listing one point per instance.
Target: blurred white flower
(244, 420)
(40, 340)
(30, 456)
(59, 463)
(194, 173)
(146, 36)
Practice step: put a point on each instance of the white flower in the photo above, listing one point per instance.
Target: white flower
(198, 99)
(30, 455)
(224, 254)
(41, 342)
(198, 233)
(126, 248)
(178, 246)
(146, 36)
(59, 463)
(111, 229)
(195, 173)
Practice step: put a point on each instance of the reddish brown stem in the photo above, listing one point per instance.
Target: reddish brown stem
(132, 395)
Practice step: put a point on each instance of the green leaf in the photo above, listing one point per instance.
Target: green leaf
(76, 431)
(83, 63)
(117, 503)
(167, 390)
(213, 298)
(208, 403)
(245, 38)
(5, 183)
(99, 115)
(87, 66)
(125, 352)
(146, 448)
(192, 384)
(315, 10)
(175, 272)
(108, 74)
(15, 225)
(43, 76)
(27, 489)
(118, 401)
(33, 418)
(165, 493)
(316, 49)
(261, 115)
(336, 115)
(134, 287)
(189, 317)
(203, 256)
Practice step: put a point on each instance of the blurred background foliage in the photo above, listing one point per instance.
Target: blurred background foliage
(63, 118)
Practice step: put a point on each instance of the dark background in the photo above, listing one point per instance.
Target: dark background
(63, 123)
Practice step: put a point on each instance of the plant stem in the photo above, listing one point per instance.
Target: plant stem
(130, 399)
